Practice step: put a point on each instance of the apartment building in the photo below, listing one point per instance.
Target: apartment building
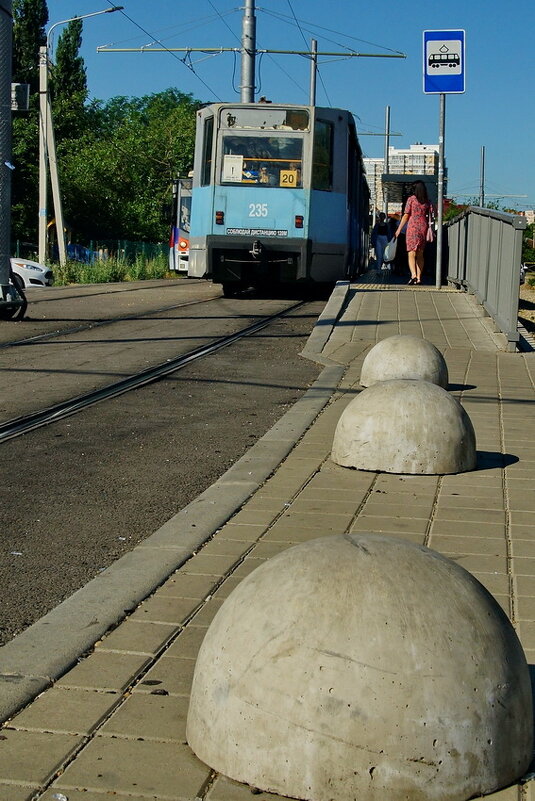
(419, 161)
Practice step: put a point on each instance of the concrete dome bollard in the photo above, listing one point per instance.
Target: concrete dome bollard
(404, 356)
(405, 426)
(362, 666)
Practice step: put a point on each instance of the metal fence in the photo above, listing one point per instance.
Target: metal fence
(484, 256)
(98, 250)
(124, 250)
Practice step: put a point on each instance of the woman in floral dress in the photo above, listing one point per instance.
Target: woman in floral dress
(416, 218)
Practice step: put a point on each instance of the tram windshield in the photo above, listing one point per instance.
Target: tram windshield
(268, 160)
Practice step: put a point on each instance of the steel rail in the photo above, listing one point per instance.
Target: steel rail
(97, 323)
(21, 425)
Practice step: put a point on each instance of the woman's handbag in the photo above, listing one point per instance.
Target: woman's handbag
(430, 235)
(390, 251)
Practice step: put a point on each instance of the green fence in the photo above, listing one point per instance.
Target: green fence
(98, 250)
(125, 250)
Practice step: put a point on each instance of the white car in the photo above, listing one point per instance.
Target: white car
(32, 273)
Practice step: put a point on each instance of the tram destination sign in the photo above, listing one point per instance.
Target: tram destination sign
(444, 62)
(257, 232)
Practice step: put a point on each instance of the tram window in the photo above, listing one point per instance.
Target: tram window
(207, 151)
(269, 160)
(322, 159)
(265, 118)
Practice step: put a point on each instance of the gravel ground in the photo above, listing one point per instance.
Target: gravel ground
(78, 494)
(526, 308)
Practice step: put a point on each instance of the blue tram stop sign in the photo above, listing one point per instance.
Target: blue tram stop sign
(444, 62)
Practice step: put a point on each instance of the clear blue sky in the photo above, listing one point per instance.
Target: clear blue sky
(497, 110)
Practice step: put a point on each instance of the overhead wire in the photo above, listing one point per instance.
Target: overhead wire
(286, 18)
(302, 23)
(184, 27)
(225, 23)
(186, 60)
(291, 20)
(182, 60)
(307, 45)
(297, 23)
(259, 87)
(285, 72)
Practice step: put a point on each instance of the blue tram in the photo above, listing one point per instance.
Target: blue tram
(279, 196)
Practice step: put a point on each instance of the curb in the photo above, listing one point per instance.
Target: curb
(326, 322)
(37, 657)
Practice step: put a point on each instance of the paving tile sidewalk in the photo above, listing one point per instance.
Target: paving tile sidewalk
(115, 723)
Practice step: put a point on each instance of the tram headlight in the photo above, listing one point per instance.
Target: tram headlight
(220, 218)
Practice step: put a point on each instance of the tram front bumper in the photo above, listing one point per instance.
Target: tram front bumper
(257, 259)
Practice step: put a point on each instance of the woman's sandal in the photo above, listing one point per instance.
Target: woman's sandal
(412, 281)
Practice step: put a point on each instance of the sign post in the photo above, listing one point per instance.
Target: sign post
(444, 73)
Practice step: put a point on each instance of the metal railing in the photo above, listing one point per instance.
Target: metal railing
(484, 255)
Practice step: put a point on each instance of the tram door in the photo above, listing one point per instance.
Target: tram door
(180, 225)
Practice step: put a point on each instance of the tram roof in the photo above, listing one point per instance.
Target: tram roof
(398, 185)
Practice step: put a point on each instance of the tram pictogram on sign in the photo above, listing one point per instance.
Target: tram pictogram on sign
(444, 62)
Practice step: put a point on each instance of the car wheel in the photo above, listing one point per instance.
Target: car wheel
(16, 313)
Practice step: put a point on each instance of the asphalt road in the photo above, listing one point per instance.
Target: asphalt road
(78, 494)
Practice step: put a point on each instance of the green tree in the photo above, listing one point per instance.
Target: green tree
(116, 159)
(29, 20)
(68, 83)
(528, 245)
(451, 210)
(116, 177)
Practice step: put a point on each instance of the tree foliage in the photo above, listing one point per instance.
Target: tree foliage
(452, 209)
(528, 245)
(29, 20)
(68, 82)
(116, 159)
(116, 177)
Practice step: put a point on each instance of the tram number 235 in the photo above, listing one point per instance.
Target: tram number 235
(258, 210)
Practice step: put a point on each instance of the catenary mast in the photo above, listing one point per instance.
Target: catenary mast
(248, 50)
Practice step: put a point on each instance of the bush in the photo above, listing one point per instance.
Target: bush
(110, 271)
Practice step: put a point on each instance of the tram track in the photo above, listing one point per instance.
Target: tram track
(21, 425)
(81, 492)
(91, 325)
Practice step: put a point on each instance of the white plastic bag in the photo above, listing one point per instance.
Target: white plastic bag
(390, 251)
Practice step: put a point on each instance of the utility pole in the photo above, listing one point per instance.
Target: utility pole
(482, 179)
(6, 26)
(47, 151)
(441, 50)
(54, 180)
(387, 165)
(43, 172)
(47, 158)
(248, 50)
(9, 297)
(440, 201)
(313, 71)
